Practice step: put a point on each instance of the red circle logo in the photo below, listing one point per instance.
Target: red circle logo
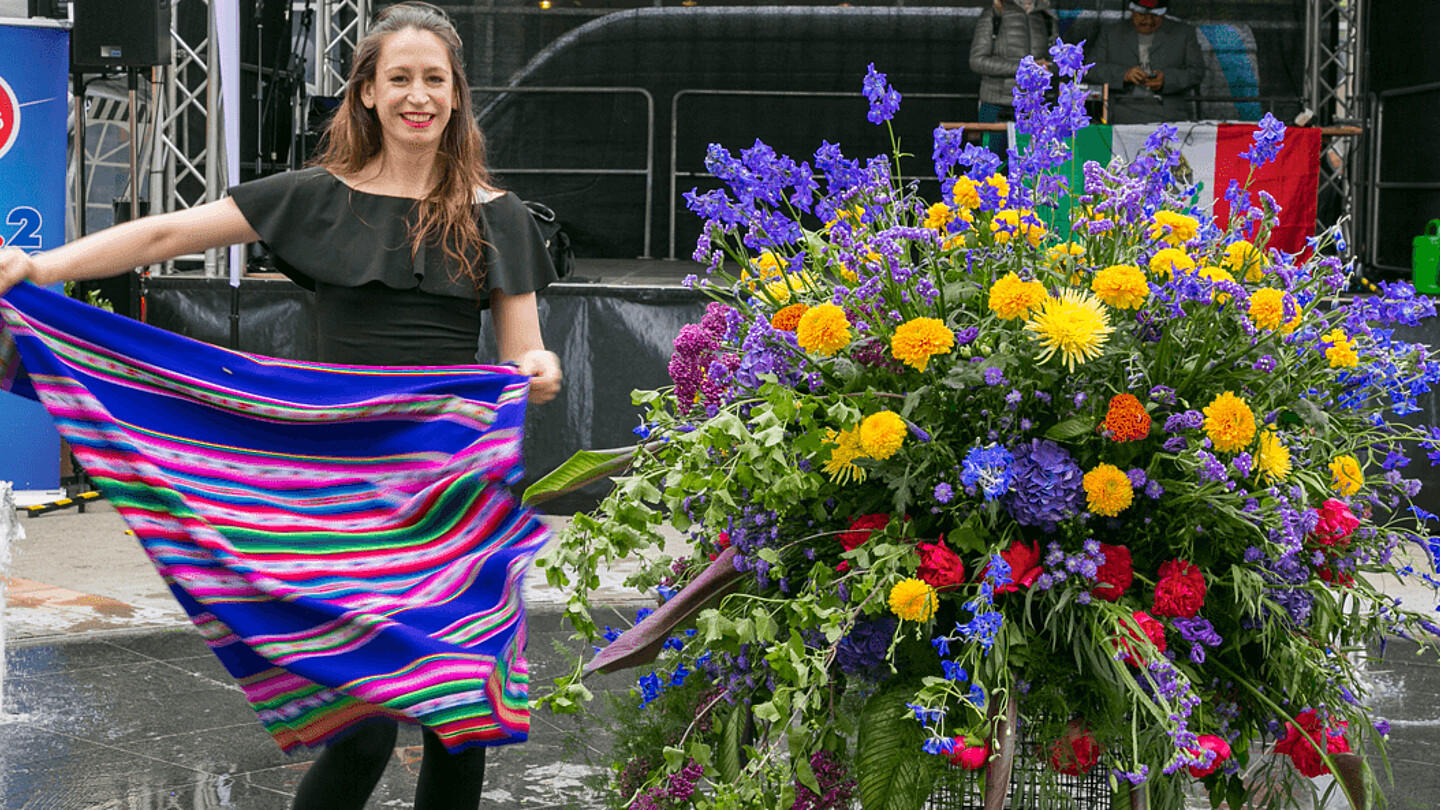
(9, 117)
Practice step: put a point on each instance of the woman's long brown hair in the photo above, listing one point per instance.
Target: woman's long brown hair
(353, 139)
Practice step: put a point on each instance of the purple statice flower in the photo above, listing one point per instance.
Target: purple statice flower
(987, 469)
(1269, 139)
(1211, 468)
(944, 493)
(1264, 365)
(1243, 463)
(1045, 485)
(1189, 420)
(884, 100)
(862, 653)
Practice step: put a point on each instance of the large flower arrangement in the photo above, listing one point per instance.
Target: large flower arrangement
(1112, 463)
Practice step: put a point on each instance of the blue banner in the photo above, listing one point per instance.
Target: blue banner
(34, 65)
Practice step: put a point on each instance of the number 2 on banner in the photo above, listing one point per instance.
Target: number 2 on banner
(26, 221)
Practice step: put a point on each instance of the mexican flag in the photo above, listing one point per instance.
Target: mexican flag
(1211, 154)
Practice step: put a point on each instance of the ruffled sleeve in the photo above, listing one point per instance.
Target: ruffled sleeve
(516, 261)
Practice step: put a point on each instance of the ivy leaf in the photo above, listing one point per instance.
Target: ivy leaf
(1072, 428)
(889, 771)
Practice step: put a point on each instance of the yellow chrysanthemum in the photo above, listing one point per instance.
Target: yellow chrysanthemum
(1272, 457)
(913, 600)
(919, 339)
(1014, 221)
(1166, 262)
(1108, 491)
(1174, 228)
(778, 291)
(1216, 275)
(1001, 186)
(1346, 475)
(823, 329)
(1267, 310)
(1122, 286)
(1075, 325)
(788, 318)
(1229, 423)
(1012, 298)
(1341, 353)
(938, 216)
(1244, 259)
(882, 434)
(1065, 254)
(763, 268)
(966, 193)
(841, 465)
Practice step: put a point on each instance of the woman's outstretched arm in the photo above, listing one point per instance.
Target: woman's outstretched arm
(132, 244)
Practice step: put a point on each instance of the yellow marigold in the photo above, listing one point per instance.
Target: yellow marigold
(919, 339)
(1074, 324)
(823, 329)
(1272, 457)
(1229, 423)
(1065, 253)
(1267, 310)
(1347, 477)
(788, 318)
(1108, 491)
(1122, 286)
(1014, 221)
(1244, 259)
(841, 465)
(966, 193)
(1167, 261)
(1001, 186)
(913, 600)
(1341, 353)
(1175, 228)
(1012, 298)
(881, 434)
(1216, 275)
(938, 216)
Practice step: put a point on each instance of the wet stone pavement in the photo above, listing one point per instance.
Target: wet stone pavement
(152, 720)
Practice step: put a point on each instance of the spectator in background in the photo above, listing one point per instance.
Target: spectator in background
(1006, 33)
(1150, 63)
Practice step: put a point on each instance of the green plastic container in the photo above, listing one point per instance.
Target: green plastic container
(1425, 259)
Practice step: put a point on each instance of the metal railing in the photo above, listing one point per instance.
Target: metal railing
(648, 172)
(1376, 185)
(675, 174)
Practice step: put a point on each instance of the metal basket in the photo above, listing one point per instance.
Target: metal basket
(1034, 785)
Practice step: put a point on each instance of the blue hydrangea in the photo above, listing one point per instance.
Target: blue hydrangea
(1045, 485)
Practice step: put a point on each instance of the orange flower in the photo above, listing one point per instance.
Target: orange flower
(1126, 420)
(788, 318)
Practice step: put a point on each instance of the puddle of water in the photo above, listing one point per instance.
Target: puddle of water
(10, 535)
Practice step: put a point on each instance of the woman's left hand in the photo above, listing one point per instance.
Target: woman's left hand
(543, 369)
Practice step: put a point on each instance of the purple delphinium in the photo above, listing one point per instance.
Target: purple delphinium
(987, 470)
(1269, 139)
(884, 99)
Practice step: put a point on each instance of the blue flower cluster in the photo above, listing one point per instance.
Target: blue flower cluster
(987, 469)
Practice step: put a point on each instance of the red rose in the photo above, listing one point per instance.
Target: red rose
(1209, 742)
(1024, 562)
(969, 757)
(1076, 752)
(940, 568)
(1153, 630)
(861, 528)
(1335, 525)
(1115, 575)
(1303, 743)
(1180, 591)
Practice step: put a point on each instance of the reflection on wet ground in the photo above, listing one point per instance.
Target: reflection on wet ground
(152, 721)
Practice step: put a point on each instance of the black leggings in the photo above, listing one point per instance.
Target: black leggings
(343, 777)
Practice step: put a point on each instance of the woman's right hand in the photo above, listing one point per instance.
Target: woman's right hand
(15, 266)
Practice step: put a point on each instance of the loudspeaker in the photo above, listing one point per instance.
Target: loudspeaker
(120, 33)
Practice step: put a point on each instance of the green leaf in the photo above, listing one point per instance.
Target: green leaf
(585, 467)
(889, 771)
(1072, 428)
(730, 756)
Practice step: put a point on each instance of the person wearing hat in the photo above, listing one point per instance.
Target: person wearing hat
(1005, 33)
(1150, 62)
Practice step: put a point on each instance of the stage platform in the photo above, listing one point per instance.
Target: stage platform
(613, 323)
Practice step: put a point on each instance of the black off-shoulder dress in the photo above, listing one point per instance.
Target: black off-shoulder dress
(377, 302)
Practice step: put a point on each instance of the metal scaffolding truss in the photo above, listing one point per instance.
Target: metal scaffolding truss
(1333, 55)
(340, 25)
